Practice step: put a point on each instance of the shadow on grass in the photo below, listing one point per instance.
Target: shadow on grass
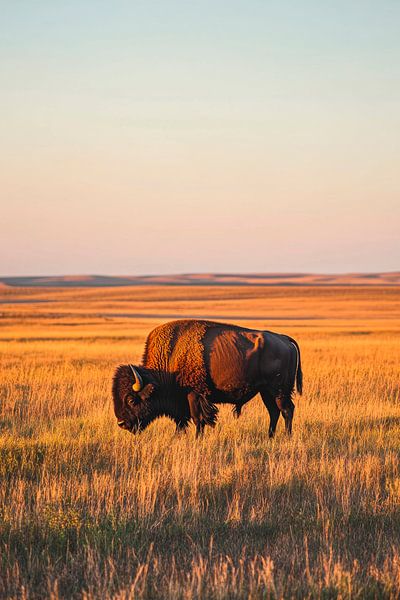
(62, 544)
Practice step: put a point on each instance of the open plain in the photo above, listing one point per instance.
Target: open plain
(90, 511)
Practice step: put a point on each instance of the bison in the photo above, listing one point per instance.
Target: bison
(189, 366)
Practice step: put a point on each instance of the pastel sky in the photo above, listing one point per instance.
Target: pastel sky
(176, 136)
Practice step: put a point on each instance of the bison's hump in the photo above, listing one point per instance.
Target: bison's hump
(177, 348)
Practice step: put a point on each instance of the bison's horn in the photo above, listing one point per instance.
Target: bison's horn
(137, 386)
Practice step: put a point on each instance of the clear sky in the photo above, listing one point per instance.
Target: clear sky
(199, 136)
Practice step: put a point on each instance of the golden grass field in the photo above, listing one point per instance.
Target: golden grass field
(90, 511)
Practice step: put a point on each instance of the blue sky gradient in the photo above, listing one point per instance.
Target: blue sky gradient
(165, 137)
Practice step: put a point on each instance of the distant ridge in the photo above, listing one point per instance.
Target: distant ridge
(213, 279)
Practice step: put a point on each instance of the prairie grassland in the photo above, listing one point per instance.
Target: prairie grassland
(90, 511)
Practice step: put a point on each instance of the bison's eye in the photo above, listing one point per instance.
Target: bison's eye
(133, 400)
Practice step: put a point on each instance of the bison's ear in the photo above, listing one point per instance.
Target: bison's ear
(146, 391)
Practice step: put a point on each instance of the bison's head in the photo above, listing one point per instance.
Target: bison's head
(131, 395)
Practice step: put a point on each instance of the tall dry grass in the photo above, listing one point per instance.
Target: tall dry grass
(89, 511)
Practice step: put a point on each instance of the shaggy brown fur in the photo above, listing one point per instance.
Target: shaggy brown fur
(186, 358)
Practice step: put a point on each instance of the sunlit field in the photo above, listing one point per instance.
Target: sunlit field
(90, 511)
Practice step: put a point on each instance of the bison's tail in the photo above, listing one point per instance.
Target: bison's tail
(299, 372)
(209, 411)
(299, 378)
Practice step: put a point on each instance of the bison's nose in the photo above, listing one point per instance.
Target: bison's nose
(121, 423)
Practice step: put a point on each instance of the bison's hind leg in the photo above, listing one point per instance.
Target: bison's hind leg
(272, 407)
(286, 407)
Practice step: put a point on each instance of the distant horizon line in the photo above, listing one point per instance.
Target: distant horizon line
(207, 273)
(389, 278)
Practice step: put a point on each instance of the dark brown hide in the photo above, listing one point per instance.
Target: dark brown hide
(190, 365)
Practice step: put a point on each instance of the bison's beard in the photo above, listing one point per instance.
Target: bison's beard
(140, 425)
(141, 422)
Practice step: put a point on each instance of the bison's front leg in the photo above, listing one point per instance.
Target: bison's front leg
(195, 412)
(181, 425)
(202, 411)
